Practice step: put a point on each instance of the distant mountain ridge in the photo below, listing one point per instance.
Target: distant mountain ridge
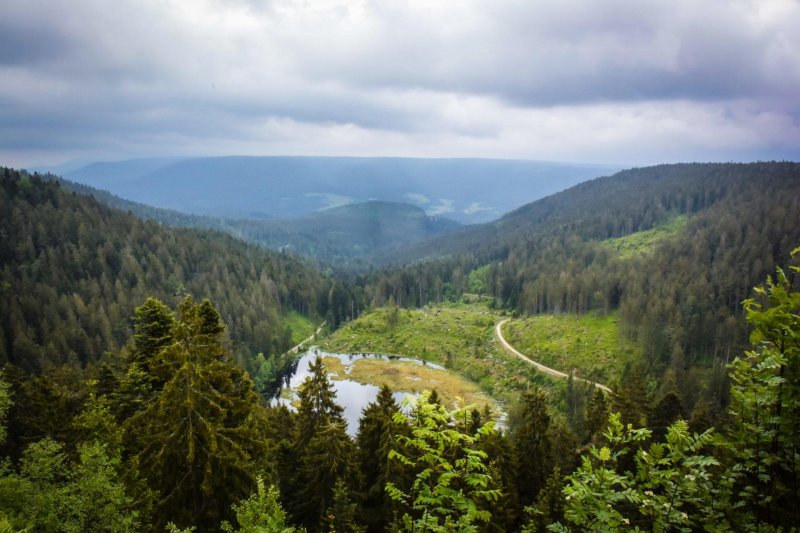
(346, 237)
(465, 190)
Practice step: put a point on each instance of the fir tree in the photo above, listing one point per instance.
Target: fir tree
(532, 445)
(195, 441)
(322, 449)
(377, 434)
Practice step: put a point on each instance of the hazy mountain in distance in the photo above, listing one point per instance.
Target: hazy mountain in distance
(465, 190)
(346, 236)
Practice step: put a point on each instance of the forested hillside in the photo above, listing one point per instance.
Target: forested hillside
(348, 237)
(343, 239)
(679, 296)
(123, 408)
(466, 190)
(73, 270)
(176, 438)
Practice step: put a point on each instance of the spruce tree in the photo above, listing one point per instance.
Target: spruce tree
(196, 439)
(532, 445)
(322, 449)
(153, 322)
(376, 435)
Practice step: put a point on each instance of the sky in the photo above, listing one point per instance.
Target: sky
(622, 82)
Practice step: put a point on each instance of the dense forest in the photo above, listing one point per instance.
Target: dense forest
(341, 240)
(679, 298)
(129, 397)
(74, 269)
(177, 438)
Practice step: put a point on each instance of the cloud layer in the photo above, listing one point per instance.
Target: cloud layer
(619, 81)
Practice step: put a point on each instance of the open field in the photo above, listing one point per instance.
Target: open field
(458, 337)
(642, 242)
(407, 376)
(588, 344)
(302, 328)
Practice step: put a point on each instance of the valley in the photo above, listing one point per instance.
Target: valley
(281, 266)
(634, 282)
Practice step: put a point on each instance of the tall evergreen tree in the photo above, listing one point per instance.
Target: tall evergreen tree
(377, 434)
(196, 440)
(322, 449)
(532, 445)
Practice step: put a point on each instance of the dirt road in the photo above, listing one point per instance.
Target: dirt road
(538, 366)
(297, 347)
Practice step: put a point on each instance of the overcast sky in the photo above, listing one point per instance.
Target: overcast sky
(625, 82)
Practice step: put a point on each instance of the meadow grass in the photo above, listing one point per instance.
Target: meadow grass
(302, 328)
(643, 242)
(459, 337)
(590, 344)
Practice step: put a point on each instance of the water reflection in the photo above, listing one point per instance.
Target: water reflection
(351, 395)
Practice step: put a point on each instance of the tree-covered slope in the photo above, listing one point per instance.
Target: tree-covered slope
(342, 234)
(347, 237)
(72, 271)
(679, 298)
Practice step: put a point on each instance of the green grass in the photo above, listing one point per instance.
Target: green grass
(459, 337)
(589, 343)
(302, 328)
(643, 242)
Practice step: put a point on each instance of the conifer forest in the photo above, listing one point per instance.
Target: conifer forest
(144, 361)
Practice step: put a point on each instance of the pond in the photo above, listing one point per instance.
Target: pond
(356, 379)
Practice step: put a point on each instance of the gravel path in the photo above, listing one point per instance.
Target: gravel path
(538, 366)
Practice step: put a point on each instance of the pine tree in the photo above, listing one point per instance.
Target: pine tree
(342, 515)
(532, 445)
(153, 322)
(322, 449)
(376, 435)
(596, 413)
(666, 411)
(260, 513)
(196, 440)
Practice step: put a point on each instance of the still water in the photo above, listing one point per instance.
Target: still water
(351, 395)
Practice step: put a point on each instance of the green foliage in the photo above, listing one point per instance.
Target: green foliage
(549, 506)
(589, 343)
(342, 515)
(452, 483)
(672, 488)
(477, 280)
(765, 404)
(377, 432)
(532, 445)
(260, 513)
(321, 448)
(644, 242)
(153, 322)
(195, 442)
(748, 484)
(5, 404)
(50, 494)
(78, 269)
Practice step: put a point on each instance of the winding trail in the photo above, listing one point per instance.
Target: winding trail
(538, 366)
(297, 347)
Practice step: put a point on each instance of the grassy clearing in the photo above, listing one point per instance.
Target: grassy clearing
(302, 328)
(412, 377)
(459, 337)
(589, 343)
(335, 367)
(643, 242)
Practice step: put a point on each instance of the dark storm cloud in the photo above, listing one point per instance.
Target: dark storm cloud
(618, 80)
